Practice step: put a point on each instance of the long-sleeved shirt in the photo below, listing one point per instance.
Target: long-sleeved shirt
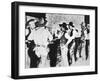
(71, 37)
(40, 36)
(86, 35)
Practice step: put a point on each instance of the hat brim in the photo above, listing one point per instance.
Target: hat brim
(60, 25)
(41, 25)
(72, 25)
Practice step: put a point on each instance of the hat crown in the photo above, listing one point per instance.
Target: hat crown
(63, 25)
(71, 24)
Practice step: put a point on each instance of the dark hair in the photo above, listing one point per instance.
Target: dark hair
(37, 24)
(64, 25)
(71, 24)
(27, 23)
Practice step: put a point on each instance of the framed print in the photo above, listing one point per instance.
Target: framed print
(50, 40)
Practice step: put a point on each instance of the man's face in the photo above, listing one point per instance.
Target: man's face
(88, 26)
(41, 20)
(32, 24)
(83, 24)
(71, 27)
(62, 29)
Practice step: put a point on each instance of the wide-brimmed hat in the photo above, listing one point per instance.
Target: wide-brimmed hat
(38, 17)
(71, 24)
(38, 24)
(64, 25)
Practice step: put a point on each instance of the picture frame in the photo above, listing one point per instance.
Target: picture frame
(19, 13)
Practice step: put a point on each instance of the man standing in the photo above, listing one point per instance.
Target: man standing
(63, 41)
(41, 37)
(86, 32)
(71, 39)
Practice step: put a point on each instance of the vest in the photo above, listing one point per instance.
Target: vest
(63, 40)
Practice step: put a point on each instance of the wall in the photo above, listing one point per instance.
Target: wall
(5, 41)
(56, 19)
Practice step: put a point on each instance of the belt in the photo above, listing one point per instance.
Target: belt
(37, 45)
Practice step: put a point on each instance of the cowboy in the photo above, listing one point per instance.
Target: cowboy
(41, 37)
(77, 39)
(63, 41)
(70, 35)
(83, 27)
(87, 32)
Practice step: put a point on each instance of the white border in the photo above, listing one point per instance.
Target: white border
(38, 71)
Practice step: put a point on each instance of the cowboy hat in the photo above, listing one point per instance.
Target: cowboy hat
(71, 24)
(64, 25)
